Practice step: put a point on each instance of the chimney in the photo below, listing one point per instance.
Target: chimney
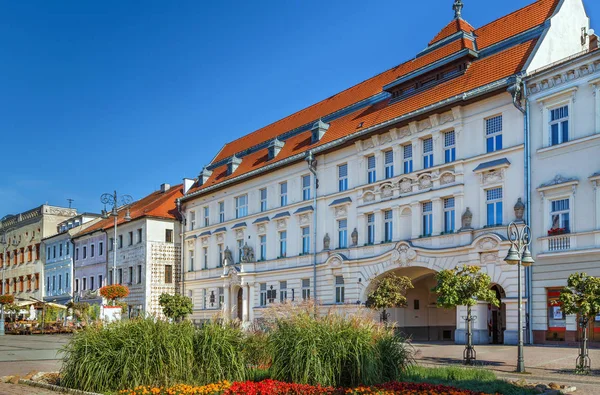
(187, 185)
(204, 175)
(318, 130)
(165, 187)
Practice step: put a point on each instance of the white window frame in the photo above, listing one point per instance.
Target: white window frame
(282, 291)
(263, 247)
(449, 146)
(191, 260)
(388, 226)
(221, 211)
(427, 153)
(427, 219)
(370, 229)
(283, 194)
(371, 169)
(305, 289)
(262, 193)
(449, 215)
(340, 291)
(342, 173)
(206, 214)
(494, 201)
(305, 232)
(192, 220)
(283, 244)
(388, 161)
(205, 257)
(342, 226)
(263, 294)
(493, 133)
(560, 214)
(407, 161)
(241, 206)
(559, 122)
(306, 187)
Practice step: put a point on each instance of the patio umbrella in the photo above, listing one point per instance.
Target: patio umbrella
(23, 303)
(58, 306)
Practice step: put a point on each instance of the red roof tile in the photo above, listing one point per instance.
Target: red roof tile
(481, 72)
(157, 205)
(455, 26)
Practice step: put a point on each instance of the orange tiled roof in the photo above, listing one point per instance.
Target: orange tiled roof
(157, 205)
(481, 72)
(455, 26)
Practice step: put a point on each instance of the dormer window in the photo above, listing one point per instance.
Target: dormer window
(318, 131)
(233, 164)
(204, 175)
(274, 147)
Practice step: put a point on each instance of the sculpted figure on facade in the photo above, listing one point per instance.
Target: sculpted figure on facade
(519, 210)
(466, 219)
(354, 236)
(247, 254)
(326, 241)
(227, 257)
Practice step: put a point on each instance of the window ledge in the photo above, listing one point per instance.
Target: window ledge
(556, 149)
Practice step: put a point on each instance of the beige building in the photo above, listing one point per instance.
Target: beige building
(564, 103)
(21, 255)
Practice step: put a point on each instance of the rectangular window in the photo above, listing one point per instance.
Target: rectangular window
(306, 187)
(192, 220)
(67, 283)
(559, 125)
(221, 296)
(560, 216)
(68, 248)
(283, 198)
(263, 247)
(427, 153)
(263, 199)
(370, 229)
(191, 260)
(342, 233)
(48, 284)
(449, 216)
(139, 274)
(111, 244)
(110, 277)
(494, 206)
(60, 282)
(282, 244)
(168, 274)
(76, 285)
(54, 283)
(263, 294)
(343, 177)
(206, 216)
(204, 257)
(240, 248)
(389, 163)
(449, 146)
(339, 289)
(427, 219)
(130, 238)
(49, 253)
(241, 206)
(100, 280)
(493, 133)
(120, 276)
(92, 248)
(76, 254)
(282, 291)
(220, 255)
(408, 159)
(100, 248)
(371, 169)
(84, 284)
(169, 235)
(54, 252)
(130, 272)
(139, 235)
(60, 250)
(388, 226)
(306, 240)
(120, 241)
(84, 252)
(221, 211)
(305, 288)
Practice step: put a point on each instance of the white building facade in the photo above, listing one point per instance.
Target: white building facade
(564, 103)
(425, 190)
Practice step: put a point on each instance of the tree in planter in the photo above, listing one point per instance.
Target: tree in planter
(176, 306)
(114, 292)
(464, 286)
(5, 299)
(80, 310)
(389, 292)
(581, 296)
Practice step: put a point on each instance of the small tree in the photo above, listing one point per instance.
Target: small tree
(464, 286)
(176, 307)
(389, 292)
(114, 292)
(80, 310)
(581, 296)
(5, 299)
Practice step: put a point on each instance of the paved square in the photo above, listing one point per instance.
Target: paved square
(20, 355)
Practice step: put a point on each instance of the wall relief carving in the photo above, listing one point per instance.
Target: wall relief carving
(487, 243)
(403, 255)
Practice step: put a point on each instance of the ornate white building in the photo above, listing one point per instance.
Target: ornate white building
(564, 102)
(21, 255)
(419, 169)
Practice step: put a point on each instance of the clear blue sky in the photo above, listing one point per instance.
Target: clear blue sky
(126, 95)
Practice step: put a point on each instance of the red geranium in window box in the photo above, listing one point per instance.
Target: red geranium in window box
(113, 292)
(557, 231)
(7, 299)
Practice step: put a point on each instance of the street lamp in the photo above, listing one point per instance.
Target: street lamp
(519, 254)
(4, 243)
(312, 166)
(113, 199)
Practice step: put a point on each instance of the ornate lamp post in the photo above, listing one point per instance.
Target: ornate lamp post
(519, 254)
(4, 243)
(312, 166)
(115, 202)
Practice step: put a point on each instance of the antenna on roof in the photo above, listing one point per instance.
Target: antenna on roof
(70, 202)
(457, 7)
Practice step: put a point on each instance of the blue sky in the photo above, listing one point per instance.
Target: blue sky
(127, 95)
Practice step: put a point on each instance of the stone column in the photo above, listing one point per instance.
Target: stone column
(417, 146)
(396, 222)
(397, 160)
(378, 226)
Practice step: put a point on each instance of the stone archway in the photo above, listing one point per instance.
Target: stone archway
(421, 319)
(497, 317)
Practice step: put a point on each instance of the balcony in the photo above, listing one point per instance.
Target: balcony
(569, 243)
(559, 243)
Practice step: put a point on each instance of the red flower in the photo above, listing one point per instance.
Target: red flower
(7, 299)
(112, 292)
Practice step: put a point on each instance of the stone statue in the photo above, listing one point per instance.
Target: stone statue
(519, 210)
(467, 219)
(354, 236)
(326, 241)
(228, 257)
(247, 254)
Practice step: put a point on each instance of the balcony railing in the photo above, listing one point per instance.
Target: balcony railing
(559, 243)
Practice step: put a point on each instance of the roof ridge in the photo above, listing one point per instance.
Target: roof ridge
(514, 12)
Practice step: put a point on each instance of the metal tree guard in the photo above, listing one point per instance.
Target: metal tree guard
(469, 355)
(114, 201)
(519, 254)
(584, 364)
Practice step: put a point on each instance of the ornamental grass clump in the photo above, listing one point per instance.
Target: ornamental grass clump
(128, 354)
(335, 351)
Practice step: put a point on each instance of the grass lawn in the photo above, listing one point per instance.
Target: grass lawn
(474, 379)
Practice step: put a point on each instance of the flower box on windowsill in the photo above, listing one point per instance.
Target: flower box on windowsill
(558, 231)
(450, 232)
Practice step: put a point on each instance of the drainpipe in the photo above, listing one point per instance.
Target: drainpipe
(182, 254)
(529, 269)
(312, 166)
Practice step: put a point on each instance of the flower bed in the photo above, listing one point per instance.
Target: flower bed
(272, 387)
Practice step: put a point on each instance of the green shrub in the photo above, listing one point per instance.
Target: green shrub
(127, 354)
(335, 351)
(219, 353)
